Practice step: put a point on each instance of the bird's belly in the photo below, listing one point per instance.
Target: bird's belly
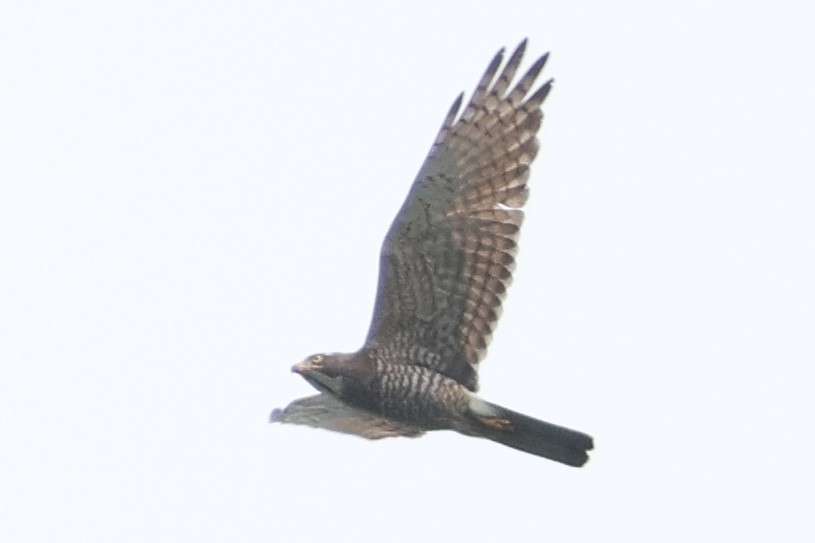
(419, 396)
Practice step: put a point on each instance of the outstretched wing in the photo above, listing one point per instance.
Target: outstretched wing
(327, 412)
(448, 257)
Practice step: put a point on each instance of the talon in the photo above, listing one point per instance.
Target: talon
(503, 425)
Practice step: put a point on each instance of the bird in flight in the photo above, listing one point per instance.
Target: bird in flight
(444, 269)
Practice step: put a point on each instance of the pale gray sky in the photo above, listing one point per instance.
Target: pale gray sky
(192, 198)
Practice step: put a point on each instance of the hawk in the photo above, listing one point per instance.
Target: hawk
(445, 266)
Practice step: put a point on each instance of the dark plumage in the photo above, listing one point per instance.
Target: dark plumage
(445, 267)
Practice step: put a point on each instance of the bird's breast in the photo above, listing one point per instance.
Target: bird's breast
(418, 395)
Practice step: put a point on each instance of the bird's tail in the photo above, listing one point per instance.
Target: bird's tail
(530, 435)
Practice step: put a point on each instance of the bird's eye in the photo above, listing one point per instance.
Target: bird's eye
(317, 358)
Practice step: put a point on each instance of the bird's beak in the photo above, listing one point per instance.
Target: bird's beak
(305, 367)
(311, 369)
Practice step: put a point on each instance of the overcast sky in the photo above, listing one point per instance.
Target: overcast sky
(192, 199)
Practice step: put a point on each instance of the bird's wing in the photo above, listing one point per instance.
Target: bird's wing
(448, 257)
(327, 412)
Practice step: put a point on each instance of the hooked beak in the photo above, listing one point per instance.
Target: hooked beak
(305, 367)
(311, 369)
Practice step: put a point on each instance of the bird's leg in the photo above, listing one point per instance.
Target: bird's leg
(489, 415)
(500, 424)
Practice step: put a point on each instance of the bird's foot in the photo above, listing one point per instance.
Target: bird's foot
(502, 425)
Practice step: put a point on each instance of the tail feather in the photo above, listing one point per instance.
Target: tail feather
(531, 435)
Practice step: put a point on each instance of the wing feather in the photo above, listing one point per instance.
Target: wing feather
(327, 412)
(448, 258)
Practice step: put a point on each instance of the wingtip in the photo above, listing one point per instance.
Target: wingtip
(548, 85)
(275, 415)
(457, 103)
(495, 62)
(538, 65)
(540, 95)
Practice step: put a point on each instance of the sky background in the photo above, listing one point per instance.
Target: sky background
(192, 199)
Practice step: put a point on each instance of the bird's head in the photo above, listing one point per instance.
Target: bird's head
(339, 374)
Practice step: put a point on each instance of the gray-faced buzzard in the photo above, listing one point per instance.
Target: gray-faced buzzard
(445, 266)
